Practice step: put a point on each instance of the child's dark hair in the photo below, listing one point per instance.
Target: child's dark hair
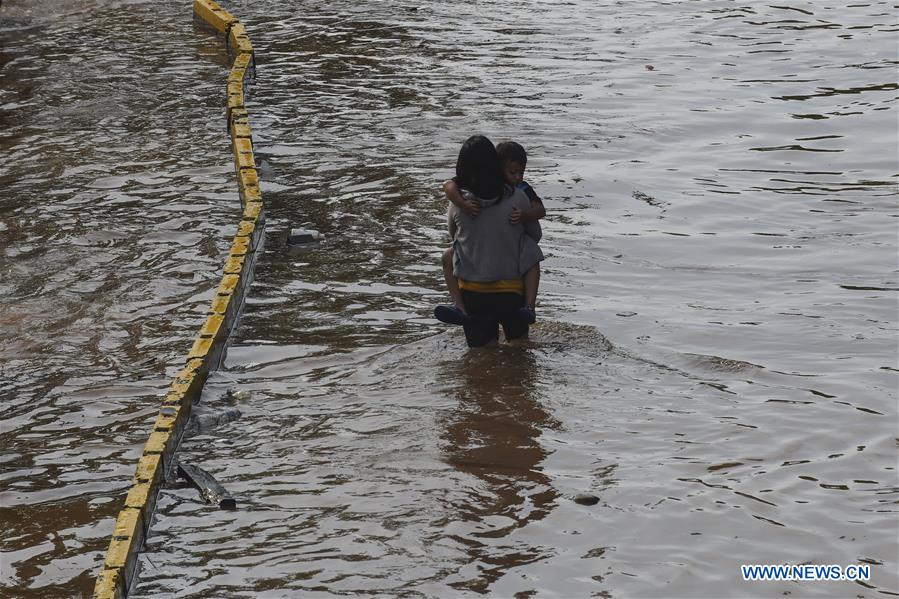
(510, 151)
(478, 168)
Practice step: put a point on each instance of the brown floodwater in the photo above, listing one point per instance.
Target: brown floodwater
(715, 358)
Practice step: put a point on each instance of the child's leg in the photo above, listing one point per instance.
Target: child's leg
(452, 285)
(531, 284)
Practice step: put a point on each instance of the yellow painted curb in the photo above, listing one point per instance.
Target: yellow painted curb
(238, 40)
(246, 228)
(212, 326)
(213, 14)
(243, 154)
(207, 351)
(252, 210)
(108, 585)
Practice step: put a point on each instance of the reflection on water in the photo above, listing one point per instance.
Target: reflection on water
(715, 358)
(494, 436)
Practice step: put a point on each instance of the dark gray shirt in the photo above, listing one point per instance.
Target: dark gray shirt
(488, 247)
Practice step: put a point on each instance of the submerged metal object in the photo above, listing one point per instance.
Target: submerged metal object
(202, 420)
(303, 236)
(211, 491)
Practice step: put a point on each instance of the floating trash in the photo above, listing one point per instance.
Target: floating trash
(211, 490)
(238, 395)
(303, 236)
(203, 420)
(586, 499)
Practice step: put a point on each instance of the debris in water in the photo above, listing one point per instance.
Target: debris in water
(211, 491)
(303, 236)
(586, 499)
(238, 395)
(626, 314)
(203, 420)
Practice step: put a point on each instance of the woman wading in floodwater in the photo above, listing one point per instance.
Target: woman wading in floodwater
(490, 252)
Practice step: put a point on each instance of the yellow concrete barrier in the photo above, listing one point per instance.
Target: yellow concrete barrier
(243, 45)
(252, 210)
(243, 154)
(207, 351)
(109, 584)
(214, 15)
(212, 326)
(248, 180)
(238, 40)
(234, 96)
(240, 127)
(241, 67)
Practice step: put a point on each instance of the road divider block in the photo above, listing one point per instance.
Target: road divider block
(162, 440)
(238, 75)
(214, 15)
(142, 499)
(138, 495)
(243, 46)
(229, 284)
(165, 423)
(234, 102)
(252, 210)
(212, 326)
(220, 304)
(159, 440)
(241, 68)
(250, 196)
(237, 30)
(207, 350)
(148, 469)
(248, 181)
(234, 266)
(238, 40)
(109, 584)
(236, 115)
(235, 88)
(239, 247)
(243, 154)
(184, 385)
(240, 126)
(246, 228)
(200, 348)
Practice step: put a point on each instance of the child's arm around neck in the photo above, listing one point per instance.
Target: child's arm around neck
(454, 195)
(536, 211)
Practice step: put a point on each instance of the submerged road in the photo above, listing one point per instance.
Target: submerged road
(715, 354)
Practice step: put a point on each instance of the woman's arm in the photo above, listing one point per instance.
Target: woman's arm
(454, 195)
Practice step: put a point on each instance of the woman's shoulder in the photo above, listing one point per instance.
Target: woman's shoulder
(516, 195)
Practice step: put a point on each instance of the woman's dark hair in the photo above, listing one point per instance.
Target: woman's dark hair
(510, 151)
(478, 168)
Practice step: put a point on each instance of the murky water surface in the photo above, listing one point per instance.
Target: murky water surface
(715, 358)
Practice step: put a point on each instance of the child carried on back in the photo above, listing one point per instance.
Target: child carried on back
(513, 160)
